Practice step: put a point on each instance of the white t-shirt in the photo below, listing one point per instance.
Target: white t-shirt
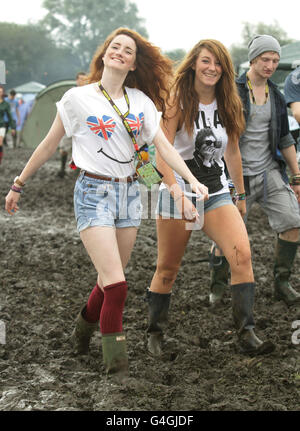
(203, 151)
(101, 144)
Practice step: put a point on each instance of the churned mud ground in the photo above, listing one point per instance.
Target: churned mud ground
(46, 276)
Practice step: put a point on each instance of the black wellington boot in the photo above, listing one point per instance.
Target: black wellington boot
(242, 309)
(285, 253)
(219, 274)
(158, 304)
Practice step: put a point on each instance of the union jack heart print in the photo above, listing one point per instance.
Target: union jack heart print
(136, 123)
(103, 127)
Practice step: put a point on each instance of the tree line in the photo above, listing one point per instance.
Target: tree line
(63, 42)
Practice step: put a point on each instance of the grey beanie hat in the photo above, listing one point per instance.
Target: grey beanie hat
(262, 43)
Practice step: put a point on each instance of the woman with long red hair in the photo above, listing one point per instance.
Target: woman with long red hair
(109, 119)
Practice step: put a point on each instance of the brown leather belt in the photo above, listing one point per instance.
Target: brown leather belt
(129, 179)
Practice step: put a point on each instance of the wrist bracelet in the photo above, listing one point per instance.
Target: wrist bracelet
(295, 180)
(240, 196)
(18, 182)
(16, 189)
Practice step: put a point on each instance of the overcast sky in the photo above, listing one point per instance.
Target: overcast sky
(175, 24)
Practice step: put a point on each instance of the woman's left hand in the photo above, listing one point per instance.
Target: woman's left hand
(200, 189)
(241, 206)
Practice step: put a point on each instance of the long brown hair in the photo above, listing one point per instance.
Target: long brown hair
(152, 73)
(230, 107)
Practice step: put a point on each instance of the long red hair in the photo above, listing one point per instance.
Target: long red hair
(152, 73)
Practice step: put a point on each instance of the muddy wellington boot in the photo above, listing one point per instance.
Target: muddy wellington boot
(285, 253)
(82, 333)
(158, 306)
(219, 274)
(114, 350)
(242, 310)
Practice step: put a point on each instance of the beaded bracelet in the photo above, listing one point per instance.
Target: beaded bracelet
(16, 189)
(295, 180)
(240, 196)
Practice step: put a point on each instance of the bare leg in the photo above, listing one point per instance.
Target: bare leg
(102, 245)
(126, 239)
(232, 238)
(172, 238)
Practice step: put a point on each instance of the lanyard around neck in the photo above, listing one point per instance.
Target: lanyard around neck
(105, 93)
(122, 116)
(252, 93)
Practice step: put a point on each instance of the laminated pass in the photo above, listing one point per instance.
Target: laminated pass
(149, 174)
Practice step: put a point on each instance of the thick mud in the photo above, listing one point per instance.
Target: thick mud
(46, 276)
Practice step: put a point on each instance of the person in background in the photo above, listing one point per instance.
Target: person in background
(204, 121)
(128, 77)
(14, 109)
(267, 147)
(5, 111)
(292, 92)
(292, 98)
(65, 145)
(24, 111)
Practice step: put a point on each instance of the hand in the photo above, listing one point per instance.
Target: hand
(13, 132)
(241, 206)
(11, 202)
(200, 189)
(297, 192)
(186, 209)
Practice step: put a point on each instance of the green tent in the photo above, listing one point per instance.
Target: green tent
(290, 56)
(30, 87)
(289, 60)
(43, 112)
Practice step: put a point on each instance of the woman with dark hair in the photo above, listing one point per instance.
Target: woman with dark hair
(108, 120)
(205, 106)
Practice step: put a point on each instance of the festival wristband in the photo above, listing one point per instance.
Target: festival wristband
(19, 182)
(16, 189)
(295, 180)
(240, 196)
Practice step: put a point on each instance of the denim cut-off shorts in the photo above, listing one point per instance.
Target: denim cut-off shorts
(167, 208)
(106, 203)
